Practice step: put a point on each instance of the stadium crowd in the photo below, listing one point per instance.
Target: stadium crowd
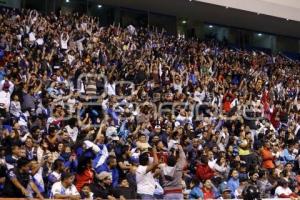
(90, 112)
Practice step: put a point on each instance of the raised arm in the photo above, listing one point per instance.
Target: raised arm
(182, 157)
(155, 163)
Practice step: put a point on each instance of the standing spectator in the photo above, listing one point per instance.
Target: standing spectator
(171, 174)
(267, 156)
(144, 175)
(203, 170)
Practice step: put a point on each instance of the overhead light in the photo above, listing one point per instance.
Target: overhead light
(183, 21)
(227, 7)
(99, 6)
(258, 13)
(287, 19)
(259, 34)
(67, 1)
(190, 0)
(210, 26)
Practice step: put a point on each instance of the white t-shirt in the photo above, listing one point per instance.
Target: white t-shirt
(281, 190)
(211, 163)
(145, 181)
(58, 188)
(32, 37)
(64, 42)
(5, 99)
(110, 89)
(73, 132)
(40, 41)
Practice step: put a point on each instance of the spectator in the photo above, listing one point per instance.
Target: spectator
(267, 157)
(111, 167)
(196, 192)
(124, 191)
(203, 171)
(65, 189)
(264, 185)
(102, 186)
(233, 182)
(18, 180)
(144, 175)
(55, 175)
(85, 173)
(86, 192)
(207, 189)
(171, 174)
(283, 191)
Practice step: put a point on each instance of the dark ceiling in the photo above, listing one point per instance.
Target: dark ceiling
(202, 12)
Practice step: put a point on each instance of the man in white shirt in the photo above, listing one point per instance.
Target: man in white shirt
(144, 176)
(65, 189)
(5, 98)
(283, 190)
(64, 38)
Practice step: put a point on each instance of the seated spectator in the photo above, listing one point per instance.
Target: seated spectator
(85, 173)
(264, 184)
(233, 182)
(124, 191)
(18, 181)
(110, 166)
(102, 186)
(86, 192)
(208, 190)
(57, 170)
(65, 189)
(283, 191)
(196, 191)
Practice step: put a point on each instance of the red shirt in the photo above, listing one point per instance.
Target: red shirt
(86, 177)
(267, 158)
(204, 172)
(208, 193)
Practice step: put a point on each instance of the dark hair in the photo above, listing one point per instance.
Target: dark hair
(171, 161)
(110, 159)
(144, 159)
(195, 181)
(219, 159)
(284, 173)
(66, 175)
(57, 163)
(282, 182)
(204, 159)
(82, 164)
(22, 162)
